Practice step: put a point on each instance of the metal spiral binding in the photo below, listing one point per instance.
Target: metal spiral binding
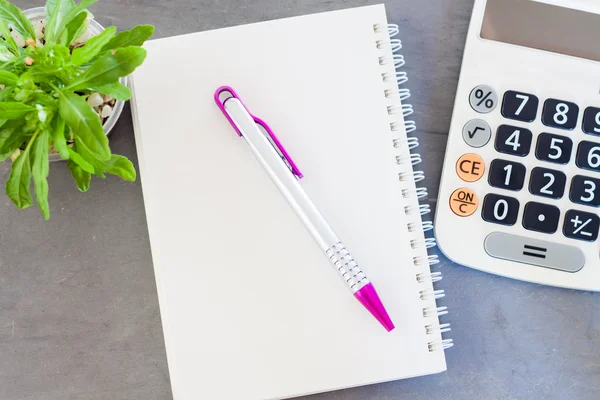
(433, 277)
(424, 209)
(392, 79)
(427, 243)
(431, 329)
(416, 176)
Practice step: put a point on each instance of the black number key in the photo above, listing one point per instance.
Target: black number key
(513, 140)
(520, 106)
(500, 209)
(581, 225)
(541, 217)
(506, 175)
(560, 114)
(588, 156)
(547, 182)
(591, 121)
(554, 148)
(585, 190)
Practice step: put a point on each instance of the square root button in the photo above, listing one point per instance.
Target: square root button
(536, 252)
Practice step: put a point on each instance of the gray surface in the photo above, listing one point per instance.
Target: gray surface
(78, 309)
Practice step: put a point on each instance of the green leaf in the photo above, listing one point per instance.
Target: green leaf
(56, 11)
(134, 37)
(84, 123)
(58, 137)
(116, 165)
(122, 167)
(10, 41)
(14, 17)
(11, 136)
(39, 169)
(5, 53)
(81, 177)
(73, 12)
(74, 29)
(109, 68)
(115, 90)
(93, 46)
(8, 78)
(17, 186)
(14, 110)
(40, 73)
(78, 159)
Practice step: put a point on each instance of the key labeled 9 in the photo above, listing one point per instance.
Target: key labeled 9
(591, 121)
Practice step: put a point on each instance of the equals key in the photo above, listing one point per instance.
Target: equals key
(534, 251)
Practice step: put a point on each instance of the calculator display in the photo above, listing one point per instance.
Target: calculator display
(543, 26)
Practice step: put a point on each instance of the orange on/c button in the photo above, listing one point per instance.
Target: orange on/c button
(470, 167)
(463, 202)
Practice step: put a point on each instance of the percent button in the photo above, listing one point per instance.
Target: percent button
(483, 99)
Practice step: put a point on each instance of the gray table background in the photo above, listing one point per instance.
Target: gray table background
(79, 313)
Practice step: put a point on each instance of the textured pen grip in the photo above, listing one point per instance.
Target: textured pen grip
(348, 269)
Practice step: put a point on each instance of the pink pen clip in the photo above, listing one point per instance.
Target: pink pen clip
(273, 138)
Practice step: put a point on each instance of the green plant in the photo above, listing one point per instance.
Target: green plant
(43, 102)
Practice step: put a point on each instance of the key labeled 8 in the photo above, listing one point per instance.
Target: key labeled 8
(560, 114)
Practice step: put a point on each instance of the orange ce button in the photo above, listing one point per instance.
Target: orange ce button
(463, 202)
(470, 167)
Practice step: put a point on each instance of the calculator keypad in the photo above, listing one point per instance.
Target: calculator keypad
(513, 140)
(588, 156)
(507, 173)
(585, 190)
(553, 148)
(591, 121)
(560, 114)
(581, 225)
(541, 217)
(547, 183)
(500, 209)
(519, 106)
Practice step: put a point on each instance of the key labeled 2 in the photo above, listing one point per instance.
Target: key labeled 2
(547, 183)
(507, 174)
(585, 190)
(554, 148)
(588, 156)
(513, 140)
(581, 225)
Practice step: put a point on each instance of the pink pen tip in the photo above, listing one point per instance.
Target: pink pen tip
(368, 297)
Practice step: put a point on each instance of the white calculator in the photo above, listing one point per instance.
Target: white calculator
(520, 189)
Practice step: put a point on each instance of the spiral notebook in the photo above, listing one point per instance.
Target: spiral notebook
(250, 307)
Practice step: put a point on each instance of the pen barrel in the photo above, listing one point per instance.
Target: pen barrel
(298, 199)
(347, 267)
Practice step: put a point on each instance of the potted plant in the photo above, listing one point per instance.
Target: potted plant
(52, 78)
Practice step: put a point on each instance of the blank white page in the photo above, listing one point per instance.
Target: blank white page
(251, 308)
